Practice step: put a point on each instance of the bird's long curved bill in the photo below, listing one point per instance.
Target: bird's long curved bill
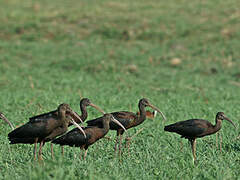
(79, 127)
(77, 116)
(153, 107)
(229, 121)
(118, 123)
(6, 120)
(97, 108)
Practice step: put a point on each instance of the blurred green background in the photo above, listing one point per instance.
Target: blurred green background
(182, 55)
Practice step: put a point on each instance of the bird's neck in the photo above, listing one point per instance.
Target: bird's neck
(106, 127)
(62, 116)
(217, 126)
(84, 112)
(142, 115)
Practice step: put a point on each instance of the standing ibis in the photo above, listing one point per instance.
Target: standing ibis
(93, 133)
(83, 107)
(127, 119)
(197, 128)
(44, 128)
(84, 102)
(6, 120)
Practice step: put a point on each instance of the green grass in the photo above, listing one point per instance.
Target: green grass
(114, 53)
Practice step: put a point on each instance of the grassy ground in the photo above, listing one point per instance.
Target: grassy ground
(182, 55)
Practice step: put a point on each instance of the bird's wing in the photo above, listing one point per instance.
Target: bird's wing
(188, 128)
(44, 117)
(28, 131)
(124, 117)
(96, 122)
(73, 138)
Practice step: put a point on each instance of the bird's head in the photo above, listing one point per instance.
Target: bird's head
(65, 108)
(86, 102)
(221, 116)
(109, 117)
(145, 102)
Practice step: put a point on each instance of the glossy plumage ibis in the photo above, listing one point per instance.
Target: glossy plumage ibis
(197, 128)
(83, 107)
(44, 128)
(127, 119)
(6, 120)
(93, 133)
(84, 103)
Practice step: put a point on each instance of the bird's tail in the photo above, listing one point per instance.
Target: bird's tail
(61, 141)
(169, 128)
(94, 122)
(18, 132)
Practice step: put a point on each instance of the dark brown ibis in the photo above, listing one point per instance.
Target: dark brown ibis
(83, 107)
(127, 119)
(6, 120)
(197, 128)
(84, 103)
(93, 133)
(44, 128)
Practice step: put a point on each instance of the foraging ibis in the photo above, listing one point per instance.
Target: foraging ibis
(127, 119)
(197, 128)
(83, 107)
(93, 133)
(44, 128)
(84, 102)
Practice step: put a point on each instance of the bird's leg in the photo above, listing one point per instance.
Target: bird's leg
(116, 143)
(217, 140)
(193, 144)
(220, 142)
(128, 142)
(35, 148)
(128, 139)
(194, 147)
(40, 152)
(80, 154)
(128, 145)
(62, 150)
(181, 145)
(85, 154)
(120, 143)
(52, 151)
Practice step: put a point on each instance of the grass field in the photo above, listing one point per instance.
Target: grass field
(182, 55)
